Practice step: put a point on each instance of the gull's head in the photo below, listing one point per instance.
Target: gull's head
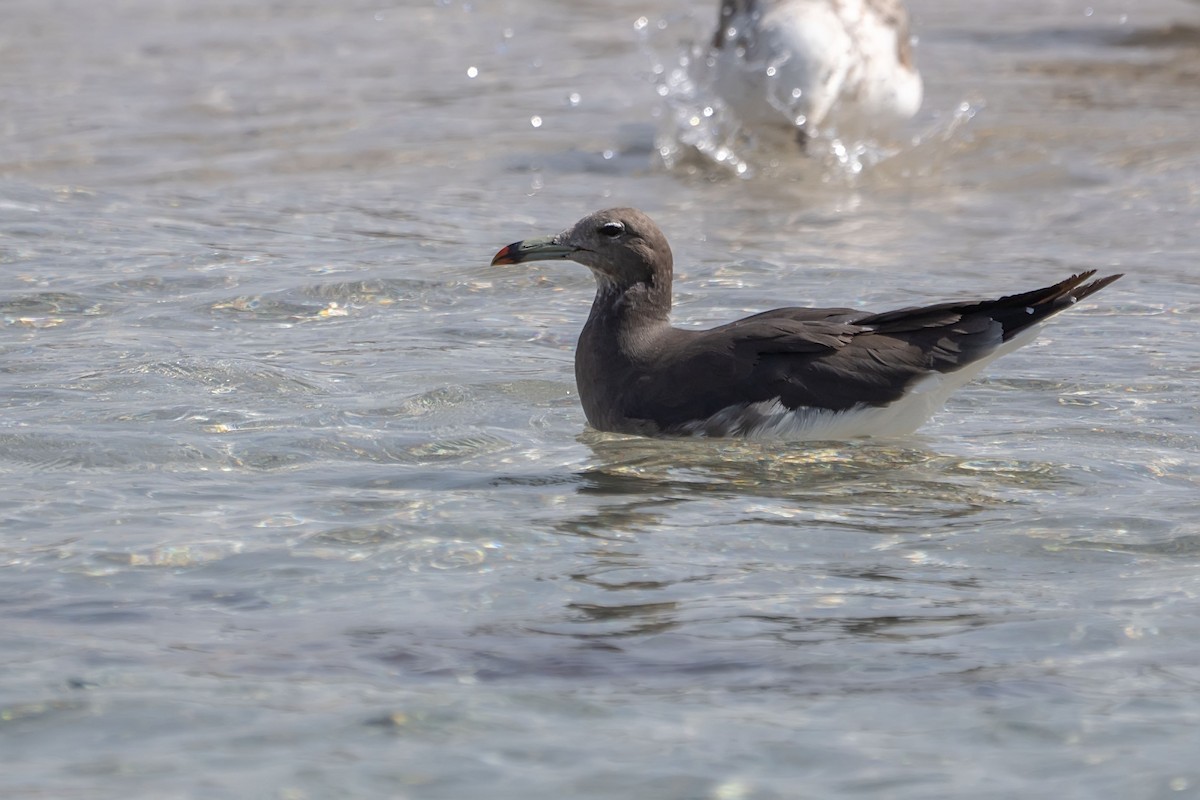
(622, 246)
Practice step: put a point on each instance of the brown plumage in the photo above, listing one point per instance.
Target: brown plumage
(795, 372)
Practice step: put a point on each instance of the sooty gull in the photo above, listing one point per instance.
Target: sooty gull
(798, 66)
(791, 373)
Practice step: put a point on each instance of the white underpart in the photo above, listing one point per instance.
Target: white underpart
(902, 417)
(818, 63)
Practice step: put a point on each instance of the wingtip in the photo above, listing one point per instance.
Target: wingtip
(1080, 292)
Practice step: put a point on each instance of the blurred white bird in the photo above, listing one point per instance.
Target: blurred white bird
(802, 67)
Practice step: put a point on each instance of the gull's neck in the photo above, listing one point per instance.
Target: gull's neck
(633, 305)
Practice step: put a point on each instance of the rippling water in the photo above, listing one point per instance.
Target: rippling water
(297, 499)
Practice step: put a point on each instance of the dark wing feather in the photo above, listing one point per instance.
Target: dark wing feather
(839, 358)
(1015, 312)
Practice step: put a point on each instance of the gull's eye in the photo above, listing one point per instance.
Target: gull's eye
(612, 229)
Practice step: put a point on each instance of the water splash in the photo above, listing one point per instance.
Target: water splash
(699, 132)
(694, 121)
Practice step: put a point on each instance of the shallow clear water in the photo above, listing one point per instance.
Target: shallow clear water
(297, 499)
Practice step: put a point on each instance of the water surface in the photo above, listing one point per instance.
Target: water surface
(298, 501)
